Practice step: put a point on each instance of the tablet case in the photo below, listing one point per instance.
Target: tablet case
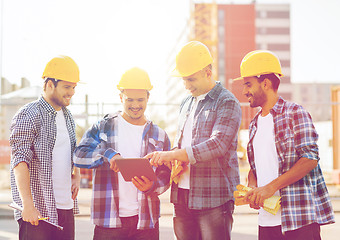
(132, 167)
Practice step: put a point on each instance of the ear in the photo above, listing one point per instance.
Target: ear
(267, 84)
(208, 71)
(49, 85)
(121, 97)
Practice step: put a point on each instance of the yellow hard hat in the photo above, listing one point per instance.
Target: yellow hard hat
(135, 78)
(62, 68)
(259, 62)
(193, 57)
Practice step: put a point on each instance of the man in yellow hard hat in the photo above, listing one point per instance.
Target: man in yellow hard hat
(205, 150)
(120, 209)
(44, 182)
(283, 155)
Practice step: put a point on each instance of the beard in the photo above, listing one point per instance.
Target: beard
(259, 98)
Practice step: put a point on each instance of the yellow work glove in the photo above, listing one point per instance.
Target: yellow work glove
(271, 205)
(176, 171)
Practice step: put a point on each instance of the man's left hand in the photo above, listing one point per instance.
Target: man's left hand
(75, 185)
(257, 195)
(143, 184)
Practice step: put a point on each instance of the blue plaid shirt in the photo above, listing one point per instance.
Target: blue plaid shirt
(33, 134)
(307, 200)
(214, 171)
(96, 149)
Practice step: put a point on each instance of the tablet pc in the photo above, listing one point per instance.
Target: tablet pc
(132, 167)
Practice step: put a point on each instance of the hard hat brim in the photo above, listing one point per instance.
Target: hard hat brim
(237, 79)
(81, 82)
(134, 88)
(175, 73)
(241, 78)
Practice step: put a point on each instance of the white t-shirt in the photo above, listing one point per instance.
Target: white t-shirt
(61, 165)
(267, 164)
(129, 146)
(184, 180)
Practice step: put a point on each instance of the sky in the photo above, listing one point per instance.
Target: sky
(106, 37)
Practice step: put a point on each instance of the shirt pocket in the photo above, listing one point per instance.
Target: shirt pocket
(102, 141)
(206, 121)
(103, 137)
(286, 147)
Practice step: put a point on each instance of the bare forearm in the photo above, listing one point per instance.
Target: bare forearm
(181, 155)
(22, 179)
(252, 181)
(76, 171)
(298, 171)
(75, 182)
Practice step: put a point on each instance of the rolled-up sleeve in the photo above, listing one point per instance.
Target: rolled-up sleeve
(305, 135)
(92, 151)
(21, 140)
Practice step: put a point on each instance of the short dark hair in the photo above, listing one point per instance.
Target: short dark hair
(54, 81)
(275, 80)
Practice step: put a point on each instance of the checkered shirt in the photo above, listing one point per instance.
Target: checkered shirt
(32, 138)
(214, 171)
(307, 200)
(96, 149)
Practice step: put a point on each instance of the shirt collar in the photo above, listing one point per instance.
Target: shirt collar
(119, 112)
(200, 97)
(46, 105)
(278, 107)
(214, 92)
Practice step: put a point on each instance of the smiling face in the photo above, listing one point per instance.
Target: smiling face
(59, 95)
(253, 90)
(134, 102)
(199, 83)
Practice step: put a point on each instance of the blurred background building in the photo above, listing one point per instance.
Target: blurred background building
(231, 31)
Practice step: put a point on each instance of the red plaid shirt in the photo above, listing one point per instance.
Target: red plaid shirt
(307, 200)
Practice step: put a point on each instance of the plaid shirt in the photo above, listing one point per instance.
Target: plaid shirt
(96, 149)
(33, 134)
(214, 171)
(307, 200)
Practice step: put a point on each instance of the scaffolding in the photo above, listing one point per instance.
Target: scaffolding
(203, 25)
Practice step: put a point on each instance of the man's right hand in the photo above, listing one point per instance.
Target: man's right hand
(253, 206)
(113, 165)
(22, 177)
(31, 214)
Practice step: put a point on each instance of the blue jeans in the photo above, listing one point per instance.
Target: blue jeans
(46, 231)
(128, 231)
(213, 223)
